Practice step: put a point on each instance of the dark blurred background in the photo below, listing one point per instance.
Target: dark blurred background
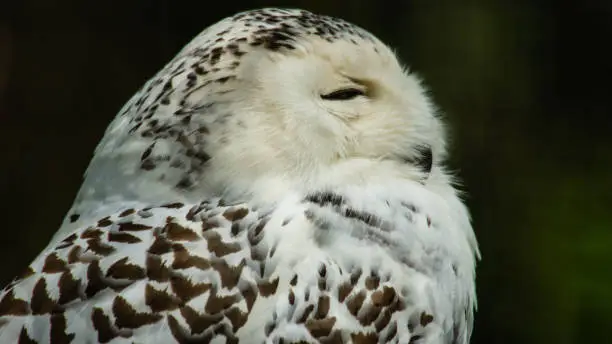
(526, 88)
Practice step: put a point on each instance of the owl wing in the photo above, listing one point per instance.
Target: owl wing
(156, 274)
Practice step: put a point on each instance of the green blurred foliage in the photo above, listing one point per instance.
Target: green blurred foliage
(525, 87)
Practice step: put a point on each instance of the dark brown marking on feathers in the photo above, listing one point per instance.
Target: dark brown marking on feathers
(96, 246)
(322, 271)
(74, 254)
(216, 304)
(133, 227)
(104, 222)
(372, 281)
(185, 289)
(127, 317)
(69, 239)
(369, 315)
(236, 229)
(383, 320)
(41, 303)
(355, 275)
(355, 302)
(123, 237)
(53, 264)
(176, 330)
(268, 288)
(235, 214)
(176, 232)
(291, 297)
(220, 248)
(415, 338)
(260, 227)
(209, 224)
(294, 280)
(184, 260)
(91, 233)
(58, 330)
(127, 212)
(94, 279)
(62, 245)
(322, 307)
(324, 198)
(147, 164)
(156, 270)
(24, 337)
(258, 253)
(397, 305)
(383, 297)
(121, 269)
(195, 210)
(9, 305)
(425, 319)
(334, 338)
(322, 284)
(237, 318)
(344, 290)
(365, 217)
(230, 275)
(321, 327)
(102, 324)
(306, 314)
(68, 288)
(199, 322)
(159, 300)
(175, 205)
(364, 338)
(160, 246)
(250, 296)
(147, 152)
(269, 327)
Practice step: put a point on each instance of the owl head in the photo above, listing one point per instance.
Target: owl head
(271, 99)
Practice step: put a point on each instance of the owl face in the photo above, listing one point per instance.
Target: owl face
(324, 102)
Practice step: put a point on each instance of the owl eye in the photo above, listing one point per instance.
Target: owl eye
(343, 94)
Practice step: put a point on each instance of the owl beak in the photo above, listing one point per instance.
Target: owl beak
(423, 160)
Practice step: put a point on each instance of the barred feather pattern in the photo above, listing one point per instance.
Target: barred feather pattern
(179, 274)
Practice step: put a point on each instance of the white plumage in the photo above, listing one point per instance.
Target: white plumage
(281, 180)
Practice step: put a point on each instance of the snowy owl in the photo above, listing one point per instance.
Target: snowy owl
(281, 180)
